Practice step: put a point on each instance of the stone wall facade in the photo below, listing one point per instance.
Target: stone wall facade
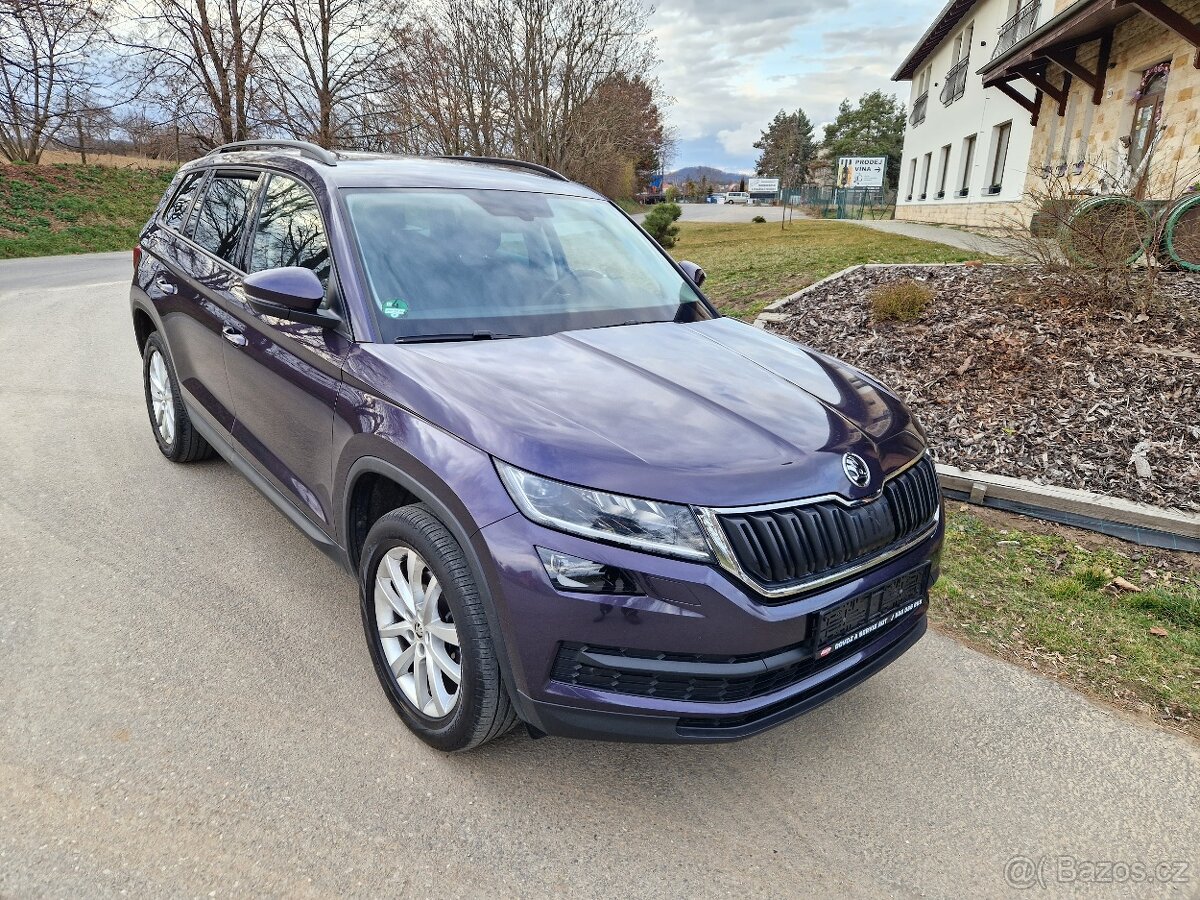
(1091, 133)
(984, 214)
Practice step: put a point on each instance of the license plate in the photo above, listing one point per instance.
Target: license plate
(842, 624)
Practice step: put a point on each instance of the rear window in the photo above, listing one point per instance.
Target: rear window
(178, 208)
(222, 219)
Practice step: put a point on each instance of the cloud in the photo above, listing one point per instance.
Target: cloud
(730, 68)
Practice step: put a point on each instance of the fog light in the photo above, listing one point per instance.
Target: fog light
(570, 573)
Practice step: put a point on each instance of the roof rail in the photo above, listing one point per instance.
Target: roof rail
(513, 163)
(306, 148)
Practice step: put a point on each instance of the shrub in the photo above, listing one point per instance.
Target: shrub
(660, 222)
(758, 220)
(899, 301)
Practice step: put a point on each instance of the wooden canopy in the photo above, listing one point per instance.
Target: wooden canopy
(1055, 45)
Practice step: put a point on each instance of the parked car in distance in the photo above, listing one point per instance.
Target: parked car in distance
(737, 197)
(649, 198)
(573, 495)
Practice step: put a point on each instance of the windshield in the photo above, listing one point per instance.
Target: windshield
(456, 264)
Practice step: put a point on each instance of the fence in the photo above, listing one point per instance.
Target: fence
(843, 203)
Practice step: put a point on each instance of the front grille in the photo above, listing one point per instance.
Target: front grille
(570, 668)
(789, 545)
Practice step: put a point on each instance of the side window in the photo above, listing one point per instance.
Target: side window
(289, 231)
(218, 228)
(182, 201)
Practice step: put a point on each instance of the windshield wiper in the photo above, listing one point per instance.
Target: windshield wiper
(448, 336)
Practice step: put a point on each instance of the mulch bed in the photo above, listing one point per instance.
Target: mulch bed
(1060, 393)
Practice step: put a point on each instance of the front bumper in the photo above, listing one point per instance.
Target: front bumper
(687, 610)
(569, 721)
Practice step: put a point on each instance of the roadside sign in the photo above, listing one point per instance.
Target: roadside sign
(861, 171)
(762, 185)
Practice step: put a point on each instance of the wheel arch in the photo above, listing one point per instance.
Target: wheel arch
(372, 477)
(145, 322)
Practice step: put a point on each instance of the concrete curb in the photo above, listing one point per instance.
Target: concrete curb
(1142, 523)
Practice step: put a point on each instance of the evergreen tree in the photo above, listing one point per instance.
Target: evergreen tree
(872, 127)
(786, 148)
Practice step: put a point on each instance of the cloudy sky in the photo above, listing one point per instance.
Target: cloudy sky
(731, 66)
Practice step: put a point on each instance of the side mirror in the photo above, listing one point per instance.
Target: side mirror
(292, 292)
(694, 273)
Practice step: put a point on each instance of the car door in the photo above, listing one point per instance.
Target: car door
(207, 254)
(285, 374)
(191, 326)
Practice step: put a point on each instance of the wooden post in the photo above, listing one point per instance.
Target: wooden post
(1106, 41)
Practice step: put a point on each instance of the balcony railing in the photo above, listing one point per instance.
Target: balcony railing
(956, 81)
(918, 111)
(1019, 27)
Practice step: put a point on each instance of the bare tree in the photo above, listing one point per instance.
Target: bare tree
(559, 52)
(325, 58)
(46, 47)
(205, 58)
(1098, 228)
(558, 82)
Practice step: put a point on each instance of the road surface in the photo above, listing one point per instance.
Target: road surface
(188, 709)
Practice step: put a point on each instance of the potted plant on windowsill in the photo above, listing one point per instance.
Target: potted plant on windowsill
(941, 195)
(963, 192)
(909, 197)
(923, 196)
(994, 189)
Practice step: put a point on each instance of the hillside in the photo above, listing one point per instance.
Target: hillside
(695, 173)
(48, 210)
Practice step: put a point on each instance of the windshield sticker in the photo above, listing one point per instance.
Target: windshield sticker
(395, 308)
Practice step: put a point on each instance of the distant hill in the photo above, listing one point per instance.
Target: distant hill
(695, 173)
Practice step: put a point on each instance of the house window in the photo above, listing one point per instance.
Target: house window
(999, 156)
(912, 177)
(1147, 112)
(925, 166)
(968, 155)
(943, 170)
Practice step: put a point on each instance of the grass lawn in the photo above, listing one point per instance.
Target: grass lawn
(750, 265)
(1049, 597)
(46, 210)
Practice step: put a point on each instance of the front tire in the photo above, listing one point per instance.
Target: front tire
(428, 635)
(173, 430)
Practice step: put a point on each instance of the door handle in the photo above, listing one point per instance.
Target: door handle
(234, 336)
(165, 283)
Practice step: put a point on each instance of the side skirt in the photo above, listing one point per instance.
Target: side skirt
(268, 490)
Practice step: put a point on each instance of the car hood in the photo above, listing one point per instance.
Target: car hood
(714, 413)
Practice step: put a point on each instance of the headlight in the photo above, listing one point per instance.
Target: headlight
(666, 528)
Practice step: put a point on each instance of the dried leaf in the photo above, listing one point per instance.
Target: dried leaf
(1125, 585)
(1158, 632)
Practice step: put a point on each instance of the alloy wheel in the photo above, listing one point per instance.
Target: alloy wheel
(162, 398)
(417, 632)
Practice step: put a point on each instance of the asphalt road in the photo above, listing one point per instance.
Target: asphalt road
(187, 708)
(723, 212)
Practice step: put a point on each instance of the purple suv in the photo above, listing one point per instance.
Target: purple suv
(573, 494)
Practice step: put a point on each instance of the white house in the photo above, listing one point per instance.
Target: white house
(966, 147)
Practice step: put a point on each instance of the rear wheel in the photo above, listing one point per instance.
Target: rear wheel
(428, 635)
(173, 430)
